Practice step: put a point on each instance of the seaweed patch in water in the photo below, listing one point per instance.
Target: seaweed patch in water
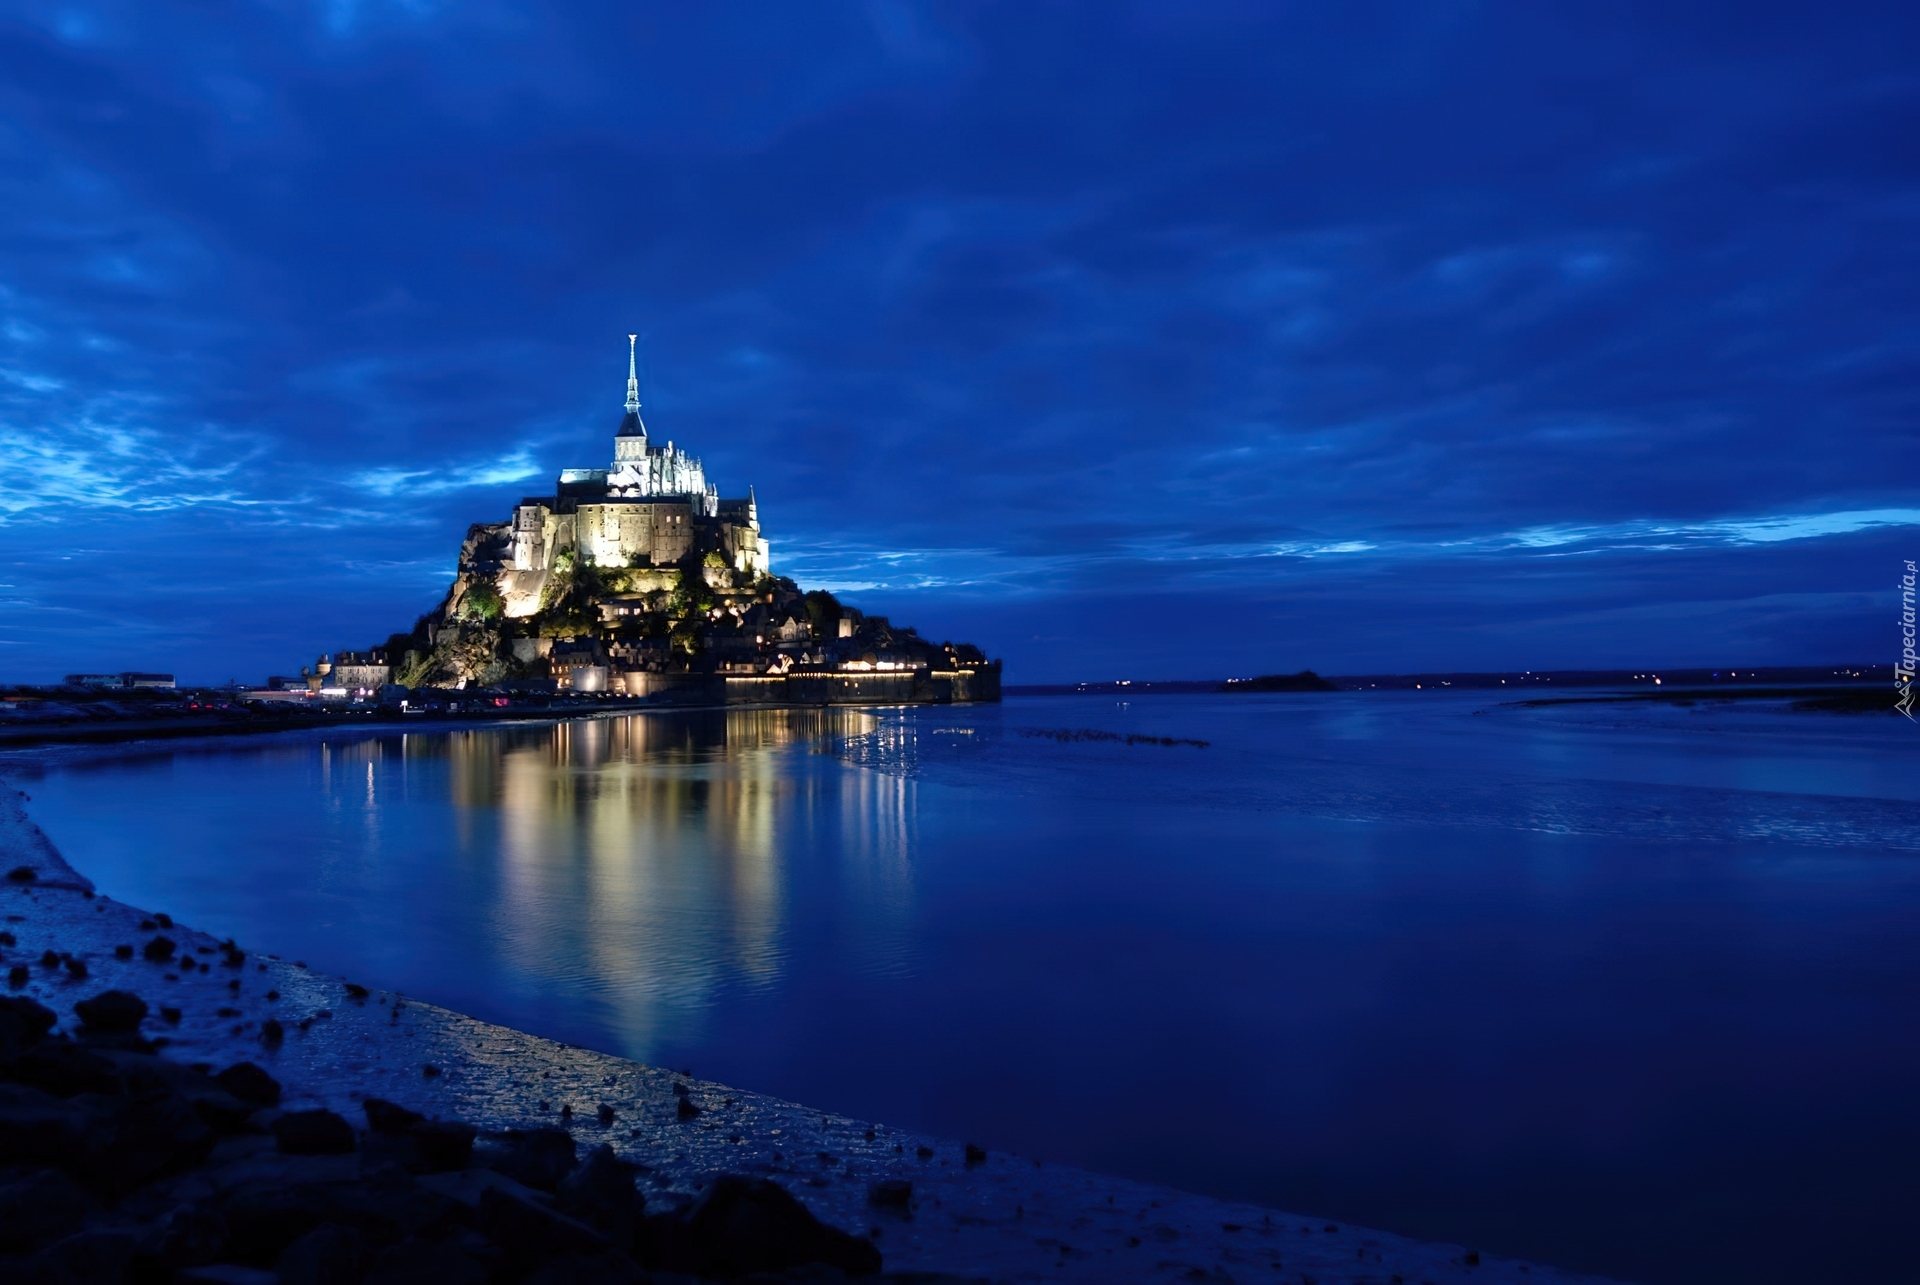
(1089, 734)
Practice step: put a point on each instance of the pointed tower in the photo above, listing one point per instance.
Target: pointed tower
(630, 443)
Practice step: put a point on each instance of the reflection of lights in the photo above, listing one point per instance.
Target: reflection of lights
(650, 849)
(649, 854)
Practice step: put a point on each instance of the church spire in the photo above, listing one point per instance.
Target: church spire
(633, 378)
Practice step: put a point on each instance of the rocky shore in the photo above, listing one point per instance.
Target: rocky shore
(178, 1108)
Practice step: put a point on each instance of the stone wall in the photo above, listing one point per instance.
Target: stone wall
(903, 687)
(620, 533)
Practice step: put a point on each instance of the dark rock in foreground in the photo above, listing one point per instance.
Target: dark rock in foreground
(313, 1133)
(22, 1022)
(249, 1083)
(114, 1012)
(117, 1165)
(537, 1158)
(742, 1225)
(390, 1117)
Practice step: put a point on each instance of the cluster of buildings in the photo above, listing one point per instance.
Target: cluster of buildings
(126, 680)
(347, 676)
(638, 579)
(652, 506)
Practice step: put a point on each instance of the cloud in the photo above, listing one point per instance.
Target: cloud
(514, 467)
(1012, 302)
(1772, 529)
(43, 475)
(30, 382)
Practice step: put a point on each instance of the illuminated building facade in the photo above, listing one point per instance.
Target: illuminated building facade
(652, 506)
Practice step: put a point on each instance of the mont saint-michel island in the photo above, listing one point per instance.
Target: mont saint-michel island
(638, 580)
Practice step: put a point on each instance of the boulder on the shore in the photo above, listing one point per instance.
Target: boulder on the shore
(600, 1193)
(249, 1083)
(537, 1158)
(389, 1117)
(741, 1225)
(112, 1012)
(23, 1021)
(313, 1133)
(407, 1138)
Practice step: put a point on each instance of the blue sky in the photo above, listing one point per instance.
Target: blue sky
(1127, 340)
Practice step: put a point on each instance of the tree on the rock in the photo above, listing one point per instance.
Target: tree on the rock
(482, 602)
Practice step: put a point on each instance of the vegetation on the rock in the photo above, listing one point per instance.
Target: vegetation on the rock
(482, 602)
(498, 625)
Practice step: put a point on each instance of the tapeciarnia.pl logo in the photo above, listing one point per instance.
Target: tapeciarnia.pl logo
(1903, 672)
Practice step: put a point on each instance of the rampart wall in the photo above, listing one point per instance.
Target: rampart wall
(903, 687)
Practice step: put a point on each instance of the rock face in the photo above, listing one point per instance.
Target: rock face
(117, 1165)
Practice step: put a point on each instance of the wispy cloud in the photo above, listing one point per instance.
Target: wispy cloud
(31, 382)
(845, 567)
(1767, 529)
(852, 566)
(1195, 305)
(115, 466)
(514, 467)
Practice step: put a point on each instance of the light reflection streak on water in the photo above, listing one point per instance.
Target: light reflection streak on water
(644, 858)
(645, 864)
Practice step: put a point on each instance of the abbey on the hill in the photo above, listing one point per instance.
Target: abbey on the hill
(652, 507)
(638, 579)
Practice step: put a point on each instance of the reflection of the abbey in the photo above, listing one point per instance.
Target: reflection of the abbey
(648, 860)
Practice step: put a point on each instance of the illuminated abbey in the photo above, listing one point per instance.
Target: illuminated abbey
(638, 580)
(651, 507)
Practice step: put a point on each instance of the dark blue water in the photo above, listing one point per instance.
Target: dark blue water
(1628, 989)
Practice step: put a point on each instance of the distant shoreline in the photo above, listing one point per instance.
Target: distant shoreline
(1650, 679)
(1824, 690)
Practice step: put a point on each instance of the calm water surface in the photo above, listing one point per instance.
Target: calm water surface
(1631, 990)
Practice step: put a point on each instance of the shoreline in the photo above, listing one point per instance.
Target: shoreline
(1001, 1218)
(1831, 698)
(129, 731)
